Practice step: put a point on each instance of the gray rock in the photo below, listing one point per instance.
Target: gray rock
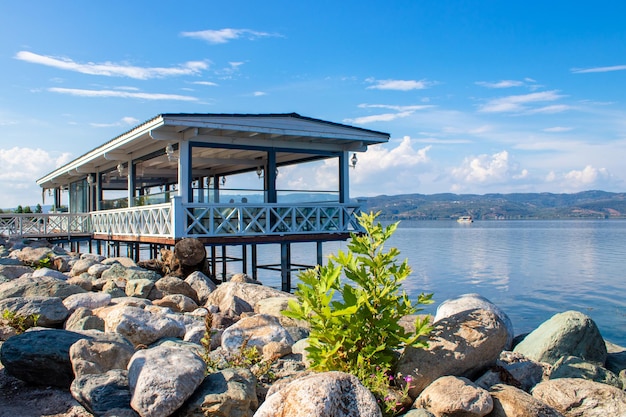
(50, 310)
(326, 394)
(177, 302)
(118, 271)
(574, 397)
(140, 326)
(418, 412)
(96, 270)
(465, 344)
(162, 378)
(509, 401)
(33, 255)
(47, 272)
(250, 293)
(29, 286)
(274, 306)
(258, 330)
(451, 395)
(616, 358)
(565, 334)
(90, 300)
(11, 272)
(83, 319)
(139, 288)
(230, 392)
(514, 369)
(467, 302)
(573, 367)
(102, 393)
(174, 285)
(202, 285)
(41, 357)
(89, 356)
(124, 261)
(81, 266)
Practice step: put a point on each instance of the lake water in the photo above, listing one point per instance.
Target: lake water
(531, 269)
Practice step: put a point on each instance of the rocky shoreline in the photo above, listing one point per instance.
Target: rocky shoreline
(116, 339)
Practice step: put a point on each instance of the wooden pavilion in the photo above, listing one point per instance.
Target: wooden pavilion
(168, 179)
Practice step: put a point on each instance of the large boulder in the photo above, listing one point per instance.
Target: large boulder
(465, 344)
(174, 285)
(90, 300)
(250, 294)
(105, 394)
(89, 356)
(44, 286)
(574, 397)
(452, 396)
(41, 357)
(565, 334)
(514, 369)
(509, 401)
(230, 392)
(202, 285)
(467, 302)
(50, 310)
(257, 330)
(573, 367)
(142, 327)
(326, 394)
(177, 302)
(11, 272)
(162, 378)
(274, 306)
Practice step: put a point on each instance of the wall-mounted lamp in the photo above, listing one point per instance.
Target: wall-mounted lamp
(120, 169)
(50, 192)
(259, 172)
(169, 151)
(353, 160)
(223, 180)
(90, 179)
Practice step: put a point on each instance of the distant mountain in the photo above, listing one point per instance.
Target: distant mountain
(586, 204)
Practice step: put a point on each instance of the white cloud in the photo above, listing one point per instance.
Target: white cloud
(120, 94)
(227, 35)
(519, 103)
(411, 108)
(558, 129)
(599, 69)
(20, 169)
(385, 117)
(259, 94)
(487, 169)
(207, 83)
(110, 69)
(500, 84)
(124, 121)
(400, 85)
(584, 179)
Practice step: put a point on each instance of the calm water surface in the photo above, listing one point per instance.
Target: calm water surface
(531, 269)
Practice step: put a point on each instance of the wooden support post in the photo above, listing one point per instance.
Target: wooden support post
(285, 266)
(213, 265)
(255, 274)
(320, 253)
(223, 263)
(244, 259)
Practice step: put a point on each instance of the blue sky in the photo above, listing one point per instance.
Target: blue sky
(478, 96)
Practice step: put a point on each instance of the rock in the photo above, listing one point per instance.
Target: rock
(229, 393)
(140, 326)
(81, 266)
(29, 286)
(250, 293)
(89, 356)
(47, 272)
(241, 277)
(90, 300)
(509, 401)
(573, 367)
(450, 395)
(96, 270)
(41, 357)
(50, 310)
(124, 261)
(275, 350)
(118, 271)
(11, 272)
(565, 334)
(258, 330)
(83, 319)
(173, 285)
(274, 307)
(162, 378)
(83, 281)
(103, 393)
(465, 344)
(418, 412)
(513, 369)
(616, 358)
(574, 397)
(202, 285)
(177, 302)
(139, 288)
(110, 287)
(467, 302)
(33, 255)
(326, 394)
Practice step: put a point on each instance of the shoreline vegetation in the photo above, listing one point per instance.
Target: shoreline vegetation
(519, 206)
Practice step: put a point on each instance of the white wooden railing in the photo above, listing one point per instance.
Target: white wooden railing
(177, 220)
(41, 225)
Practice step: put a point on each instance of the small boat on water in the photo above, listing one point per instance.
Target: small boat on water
(465, 219)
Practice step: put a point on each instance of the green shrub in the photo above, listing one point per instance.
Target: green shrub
(18, 322)
(355, 324)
